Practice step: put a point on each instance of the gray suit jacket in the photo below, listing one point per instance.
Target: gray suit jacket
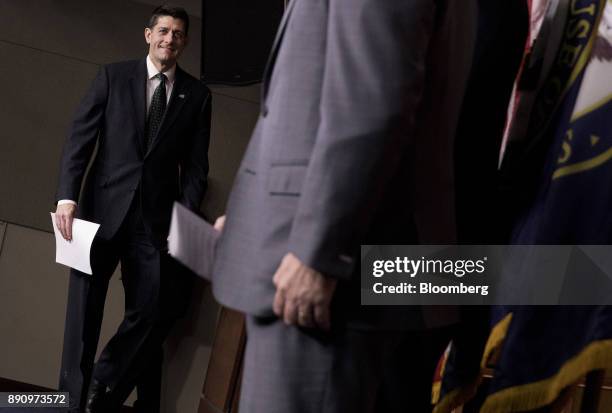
(353, 146)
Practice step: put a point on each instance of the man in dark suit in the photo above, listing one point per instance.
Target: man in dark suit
(150, 121)
(353, 146)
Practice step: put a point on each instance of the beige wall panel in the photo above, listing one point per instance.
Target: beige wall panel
(186, 353)
(35, 112)
(94, 31)
(232, 123)
(33, 291)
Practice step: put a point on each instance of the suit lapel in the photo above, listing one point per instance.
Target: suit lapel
(138, 91)
(274, 52)
(178, 97)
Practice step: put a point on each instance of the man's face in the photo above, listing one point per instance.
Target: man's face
(166, 40)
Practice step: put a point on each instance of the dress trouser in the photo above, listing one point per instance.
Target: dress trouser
(134, 354)
(292, 370)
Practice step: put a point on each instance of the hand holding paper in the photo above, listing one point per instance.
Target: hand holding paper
(64, 217)
(75, 253)
(192, 241)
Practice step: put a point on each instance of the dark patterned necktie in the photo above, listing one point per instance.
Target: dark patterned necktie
(156, 110)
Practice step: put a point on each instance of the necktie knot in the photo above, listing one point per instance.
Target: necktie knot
(162, 78)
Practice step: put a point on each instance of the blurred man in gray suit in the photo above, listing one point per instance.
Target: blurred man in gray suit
(353, 146)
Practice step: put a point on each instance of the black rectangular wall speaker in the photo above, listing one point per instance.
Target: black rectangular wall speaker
(236, 38)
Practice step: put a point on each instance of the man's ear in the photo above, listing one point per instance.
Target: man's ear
(147, 35)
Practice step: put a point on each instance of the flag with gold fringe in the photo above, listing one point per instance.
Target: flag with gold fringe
(539, 351)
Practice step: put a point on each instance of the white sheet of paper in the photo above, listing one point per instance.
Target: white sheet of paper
(192, 241)
(75, 253)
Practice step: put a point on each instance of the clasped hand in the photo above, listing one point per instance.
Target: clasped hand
(303, 295)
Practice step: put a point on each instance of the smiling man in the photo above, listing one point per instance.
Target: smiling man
(151, 122)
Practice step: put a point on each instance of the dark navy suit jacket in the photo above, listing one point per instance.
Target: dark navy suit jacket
(175, 167)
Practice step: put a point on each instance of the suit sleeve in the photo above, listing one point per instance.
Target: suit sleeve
(194, 165)
(373, 81)
(82, 138)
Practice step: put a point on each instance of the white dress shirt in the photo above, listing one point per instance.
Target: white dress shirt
(152, 83)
